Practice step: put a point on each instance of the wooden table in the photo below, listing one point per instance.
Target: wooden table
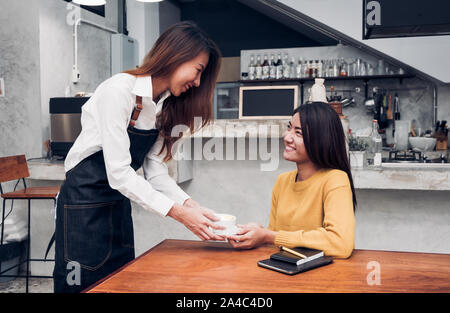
(175, 266)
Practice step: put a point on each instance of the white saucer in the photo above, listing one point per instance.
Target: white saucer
(227, 232)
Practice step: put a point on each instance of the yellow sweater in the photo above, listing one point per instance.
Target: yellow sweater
(315, 213)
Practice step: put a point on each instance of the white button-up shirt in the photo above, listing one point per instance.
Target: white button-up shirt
(104, 121)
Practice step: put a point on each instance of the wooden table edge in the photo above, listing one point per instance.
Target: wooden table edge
(198, 241)
(123, 266)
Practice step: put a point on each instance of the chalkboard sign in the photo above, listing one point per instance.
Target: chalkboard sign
(267, 102)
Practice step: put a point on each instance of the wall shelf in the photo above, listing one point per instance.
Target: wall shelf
(302, 81)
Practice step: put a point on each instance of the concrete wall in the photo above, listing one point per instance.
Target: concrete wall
(146, 21)
(20, 117)
(143, 24)
(57, 52)
(36, 63)
(136, 25)
(36, 57)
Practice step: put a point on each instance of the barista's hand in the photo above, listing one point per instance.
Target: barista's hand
(251, 236)
(191, 203)
(197, 219)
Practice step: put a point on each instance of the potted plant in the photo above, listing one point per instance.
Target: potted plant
(357, 147)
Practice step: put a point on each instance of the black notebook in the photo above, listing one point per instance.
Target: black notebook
(311, 254)
(292, 269)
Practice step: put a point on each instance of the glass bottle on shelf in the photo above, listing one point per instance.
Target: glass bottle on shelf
(305, 71)
(292, 70)
(298, 69)
(279, 64)
(330, 69)
(286, 67)
(272, 67)
(252, 68)
(380, 68)
(265, 68)
(376, 144)
(363, 70)
(369, 71)
(310, 69)
(351, 68)
(320, 69)
(316, 69)
(344, 68)
(357, 67)
(258, 67)
(335, 68)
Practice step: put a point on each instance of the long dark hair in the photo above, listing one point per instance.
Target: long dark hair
(324, 138)
(180, 43)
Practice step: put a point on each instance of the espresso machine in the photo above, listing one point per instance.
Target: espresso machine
(65, 123)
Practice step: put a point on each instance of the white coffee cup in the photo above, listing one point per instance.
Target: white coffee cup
(228, 221)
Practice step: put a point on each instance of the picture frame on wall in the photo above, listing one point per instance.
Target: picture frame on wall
(2, 87)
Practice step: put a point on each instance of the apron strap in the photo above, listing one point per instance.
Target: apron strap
(137, 110)
(52, 240)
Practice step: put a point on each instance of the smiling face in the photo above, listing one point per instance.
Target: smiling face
(293, 142)
(188, 74)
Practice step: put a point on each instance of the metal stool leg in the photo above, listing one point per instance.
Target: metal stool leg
(3, 219)
(28, 252)
(3, 227)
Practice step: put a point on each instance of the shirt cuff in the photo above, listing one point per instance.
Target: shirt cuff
(183, 200)
(164, 204)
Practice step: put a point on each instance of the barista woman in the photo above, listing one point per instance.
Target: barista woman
(126, 124)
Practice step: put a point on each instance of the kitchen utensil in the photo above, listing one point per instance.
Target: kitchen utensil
(347, 101)
(389, 110)
(413, 132)
(422, 143)
(381, 114)
(402, 129)
(370, 102)
(396, 107)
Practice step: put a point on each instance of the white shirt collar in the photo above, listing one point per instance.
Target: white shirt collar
(143, 88)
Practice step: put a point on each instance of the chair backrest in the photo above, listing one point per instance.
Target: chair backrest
(13, 167)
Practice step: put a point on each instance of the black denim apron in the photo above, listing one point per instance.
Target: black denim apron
(93, 221)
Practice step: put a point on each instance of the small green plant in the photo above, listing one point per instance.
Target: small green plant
(357, 144)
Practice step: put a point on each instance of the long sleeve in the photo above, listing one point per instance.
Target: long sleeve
(273, 211)
(114, 110)
(157, 174)
(336, 236)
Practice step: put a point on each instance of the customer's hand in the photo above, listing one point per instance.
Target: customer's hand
(250, 236)
(197, 219)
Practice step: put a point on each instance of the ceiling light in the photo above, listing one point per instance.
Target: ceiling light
(89, 2)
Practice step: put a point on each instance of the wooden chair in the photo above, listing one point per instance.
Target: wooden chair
(16, 168)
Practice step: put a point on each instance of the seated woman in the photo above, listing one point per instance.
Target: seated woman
(313, 206)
